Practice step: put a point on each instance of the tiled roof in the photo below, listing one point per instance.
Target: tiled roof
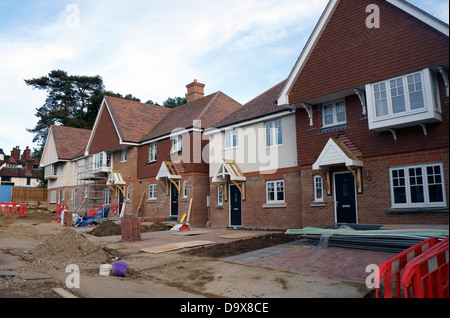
(17, 172)
(70, 142)
(134, 119)
(208, 109)
(262, 105)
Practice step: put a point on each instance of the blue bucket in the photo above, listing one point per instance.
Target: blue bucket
(119, 269)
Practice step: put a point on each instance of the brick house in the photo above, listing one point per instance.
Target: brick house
(63, 154)
(372, 116)
(254, 176)
(112, 151)
(173, 158)
(19, 170)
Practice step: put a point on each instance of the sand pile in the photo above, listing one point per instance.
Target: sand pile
(69, 247)
(109, 228)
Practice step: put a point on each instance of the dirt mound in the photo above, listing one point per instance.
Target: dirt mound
(243, 246)
(68, 246)
(109, 228)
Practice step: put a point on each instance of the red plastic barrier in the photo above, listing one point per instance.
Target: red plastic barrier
(16, 208)
(60, 208)
(427, 276)
(393, 267)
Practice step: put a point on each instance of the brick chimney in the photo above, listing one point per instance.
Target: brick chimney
(27, 154)
(28, 167)
(195, 91)
(15, 153)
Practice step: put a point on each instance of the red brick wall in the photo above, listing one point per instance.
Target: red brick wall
(105, 136)
(254, 214)
(373, 203)
(348, 54)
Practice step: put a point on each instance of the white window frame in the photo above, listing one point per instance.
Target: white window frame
(275, 183)
(273, 133)
(231, 138)
(333, 106)
(128, 192)
(106, 196)
(219, 197)
(124, 155)
(176, 144)
(409, 181)
(429, 113)
(98, 160)
(50, 170)
(152, 191)
(185, 189)
(152, 152)
(318, 187)
(53, 196)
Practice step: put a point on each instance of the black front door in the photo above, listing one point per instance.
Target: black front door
(173, 200)
(235, 206)
(345, 198)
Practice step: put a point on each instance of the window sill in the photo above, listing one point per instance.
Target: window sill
(417, 210)
(218, 207)
(274, 205)
(151, 200)
(152, 161)
(317, 204)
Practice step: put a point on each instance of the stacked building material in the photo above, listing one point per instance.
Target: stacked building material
(131, 229)
(394, 241)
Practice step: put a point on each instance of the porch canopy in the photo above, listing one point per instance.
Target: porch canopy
(229, 170)
(168, 172)
(336, 153)
(115, 181)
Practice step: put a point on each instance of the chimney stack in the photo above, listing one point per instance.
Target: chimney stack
(195, 91)
(15, 153)
(27, 154)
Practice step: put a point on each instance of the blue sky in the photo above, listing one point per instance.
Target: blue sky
(151, 49)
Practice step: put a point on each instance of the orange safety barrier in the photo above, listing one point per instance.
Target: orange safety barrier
(16, 208)
(427, 276)
(60, 208)
(393, 267)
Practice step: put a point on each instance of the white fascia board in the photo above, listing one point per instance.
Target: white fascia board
(48, 141)
(283, 98)
(212, 130)
(421, 15)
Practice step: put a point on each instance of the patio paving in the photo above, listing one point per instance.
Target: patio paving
(304, 258)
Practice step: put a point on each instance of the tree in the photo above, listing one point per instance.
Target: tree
(70, 101)
(174, 102)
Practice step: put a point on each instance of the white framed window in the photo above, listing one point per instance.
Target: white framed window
(50, 170)
(152, 191)
(123, 155)
(417, 186)
(231, 138)
(275, 191)
(274, 133)
(176, 144)
(219, 197)
(185, 189)
(152, 152)
(403, 101)
(318, 188)
(334, 114)
(86, 192)
(98, 160)
(128, 193)
(107, 196)
(53, 196)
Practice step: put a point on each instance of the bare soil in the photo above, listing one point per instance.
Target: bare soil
(43, 247)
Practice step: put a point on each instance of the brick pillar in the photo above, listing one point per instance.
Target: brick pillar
(67, 221)
(131, 229)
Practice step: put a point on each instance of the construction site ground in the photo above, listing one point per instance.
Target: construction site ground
(227, 263)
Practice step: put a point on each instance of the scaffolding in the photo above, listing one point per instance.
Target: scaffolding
(92, 189)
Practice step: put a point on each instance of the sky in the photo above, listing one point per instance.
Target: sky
(151, 48)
